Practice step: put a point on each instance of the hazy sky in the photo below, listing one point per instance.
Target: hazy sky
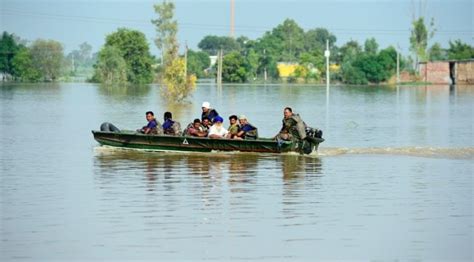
(75, 21)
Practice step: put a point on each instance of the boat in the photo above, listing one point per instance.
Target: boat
(136, 140)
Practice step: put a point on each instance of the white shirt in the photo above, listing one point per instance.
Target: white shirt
(220, 131)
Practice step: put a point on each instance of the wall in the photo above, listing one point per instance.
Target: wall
(435, 72)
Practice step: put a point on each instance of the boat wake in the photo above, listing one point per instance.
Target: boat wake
(431, 152)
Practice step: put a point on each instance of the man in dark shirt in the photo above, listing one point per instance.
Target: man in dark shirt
(171, 127)
(247, 130)
(153, 127)
(208, 112)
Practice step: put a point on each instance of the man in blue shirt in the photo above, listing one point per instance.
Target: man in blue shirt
(208, 112)
(171, 127)
(247, 130)
(153, 127)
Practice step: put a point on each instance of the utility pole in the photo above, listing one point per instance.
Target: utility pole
(265, 69)
(327, 54)
(232, 9)
(398, 64)
(219, 66)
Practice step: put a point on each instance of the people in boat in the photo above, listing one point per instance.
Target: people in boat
(208, 112)
(153, 126)
(194, 129)
(171, 127)
(217, 130)
(293, 127)
(234, 126)
(247, 130)
(205, 124)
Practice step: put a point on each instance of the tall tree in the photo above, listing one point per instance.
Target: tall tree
(419, 38)
(134, 49)
(371, 46)
(177, 85)
(23, 68)
(111, 67)
(212, 44)
(8, 49)
(316, 39)
(48, 58)
(166, 28)
(291, 35)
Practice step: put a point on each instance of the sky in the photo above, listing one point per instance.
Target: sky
(73, 22)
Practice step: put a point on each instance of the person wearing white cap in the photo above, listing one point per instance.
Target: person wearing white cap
(208, 112)
(247, 130)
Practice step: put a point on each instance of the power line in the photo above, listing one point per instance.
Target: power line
(241, 28)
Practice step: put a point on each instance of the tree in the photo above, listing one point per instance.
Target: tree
(47, 57)
(291, 37)
(251, 61)
(212, 44)
(316, 39)
(233, 68)
(111, 67)
(177, 85)
(198, 62)
(8, 49)
(436, 53)
(419, 40)
(23, 68)
(166, 28)
(371, 46)
(459, 50)
(134, 49)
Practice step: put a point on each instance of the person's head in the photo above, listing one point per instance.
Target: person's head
(218, 121)
(287, 112)
(233, 119)
(243, 119)
(196, 123)
(206, 121)
(205, 106)
(149, 116)
(167, 116)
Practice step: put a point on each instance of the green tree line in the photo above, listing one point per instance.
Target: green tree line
(126, 57)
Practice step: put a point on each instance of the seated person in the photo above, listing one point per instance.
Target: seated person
(247, 130)
(171, 127)
(293, 127)
(208, 112)
(194, 129)
(234, 126)
(217, 130)
(153, 126)
(205, 124)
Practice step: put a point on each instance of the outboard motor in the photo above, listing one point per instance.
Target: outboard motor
(314, 132)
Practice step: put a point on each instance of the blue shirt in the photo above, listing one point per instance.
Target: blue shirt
(168, 124)
(247, 128)
(152, 124)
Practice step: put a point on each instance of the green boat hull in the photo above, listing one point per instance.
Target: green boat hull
(134, 140)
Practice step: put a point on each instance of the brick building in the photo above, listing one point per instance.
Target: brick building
(447, 72)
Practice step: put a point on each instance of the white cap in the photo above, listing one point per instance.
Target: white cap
(206, 105)
(242, 117)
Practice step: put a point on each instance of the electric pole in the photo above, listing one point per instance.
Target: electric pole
(327, 54)
(398, 64)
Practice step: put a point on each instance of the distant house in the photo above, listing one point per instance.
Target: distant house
(286, 69)
(448, 72)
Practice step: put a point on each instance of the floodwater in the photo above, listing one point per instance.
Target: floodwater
(393, 180)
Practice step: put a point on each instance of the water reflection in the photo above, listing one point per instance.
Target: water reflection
(124, 91)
